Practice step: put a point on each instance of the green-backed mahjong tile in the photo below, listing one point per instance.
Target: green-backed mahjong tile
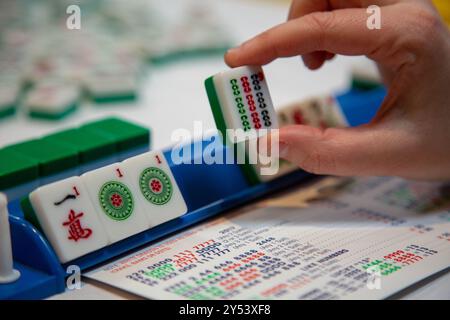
(91, 145)
(52, 100)
(53, 157)
(29, 213)
(16, 168)
(240, 101)
(215, 106)
(112, 87)
(60, 114)
(114, 98)
(127, 135)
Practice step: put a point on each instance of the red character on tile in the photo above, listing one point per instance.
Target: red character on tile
(76, 231)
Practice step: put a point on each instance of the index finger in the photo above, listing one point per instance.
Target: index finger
(340, 31)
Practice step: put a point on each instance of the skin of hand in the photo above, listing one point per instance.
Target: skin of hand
(410, 135)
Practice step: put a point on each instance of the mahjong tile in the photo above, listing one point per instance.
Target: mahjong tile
(307, 112)
(240, 99)
(112, 87)
(67, 217)
(114, 197)
(158, 194)
(9, 95)
(52, 100)
(321, 112)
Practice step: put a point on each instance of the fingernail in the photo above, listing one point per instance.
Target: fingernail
(284, 150)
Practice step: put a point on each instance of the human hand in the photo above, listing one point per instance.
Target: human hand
(410, 135)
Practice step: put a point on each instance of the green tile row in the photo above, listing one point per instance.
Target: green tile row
(26, 161)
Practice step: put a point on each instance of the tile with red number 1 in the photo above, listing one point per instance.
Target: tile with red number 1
(67, 217)
(157, 191)
(114, 198)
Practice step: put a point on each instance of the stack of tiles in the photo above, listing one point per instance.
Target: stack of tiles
(63, 154)
(131, 139)
(18, 174)
(80, 215)
(55, 160)
(95, 149)
(241, 103)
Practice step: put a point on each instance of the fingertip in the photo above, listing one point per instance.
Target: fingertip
(232, 57)
(296, 143)
(314, 61)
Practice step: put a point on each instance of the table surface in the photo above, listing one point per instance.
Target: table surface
(173, 97)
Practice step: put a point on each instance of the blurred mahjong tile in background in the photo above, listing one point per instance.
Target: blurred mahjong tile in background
(93, 58)
(52, 100)
(196, 34)
(131, 139)
(320, 112)
(9, 96)
(112, 87)
(365, 76)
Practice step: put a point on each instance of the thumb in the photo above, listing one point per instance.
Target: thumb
(365, 150)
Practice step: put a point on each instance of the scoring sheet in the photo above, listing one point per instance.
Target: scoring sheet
(368, 238)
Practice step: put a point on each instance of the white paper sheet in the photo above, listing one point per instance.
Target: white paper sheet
(368, 239)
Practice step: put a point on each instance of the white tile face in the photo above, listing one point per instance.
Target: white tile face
(68, 218)
(158, 194)
(245, 99)
(114, 198)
